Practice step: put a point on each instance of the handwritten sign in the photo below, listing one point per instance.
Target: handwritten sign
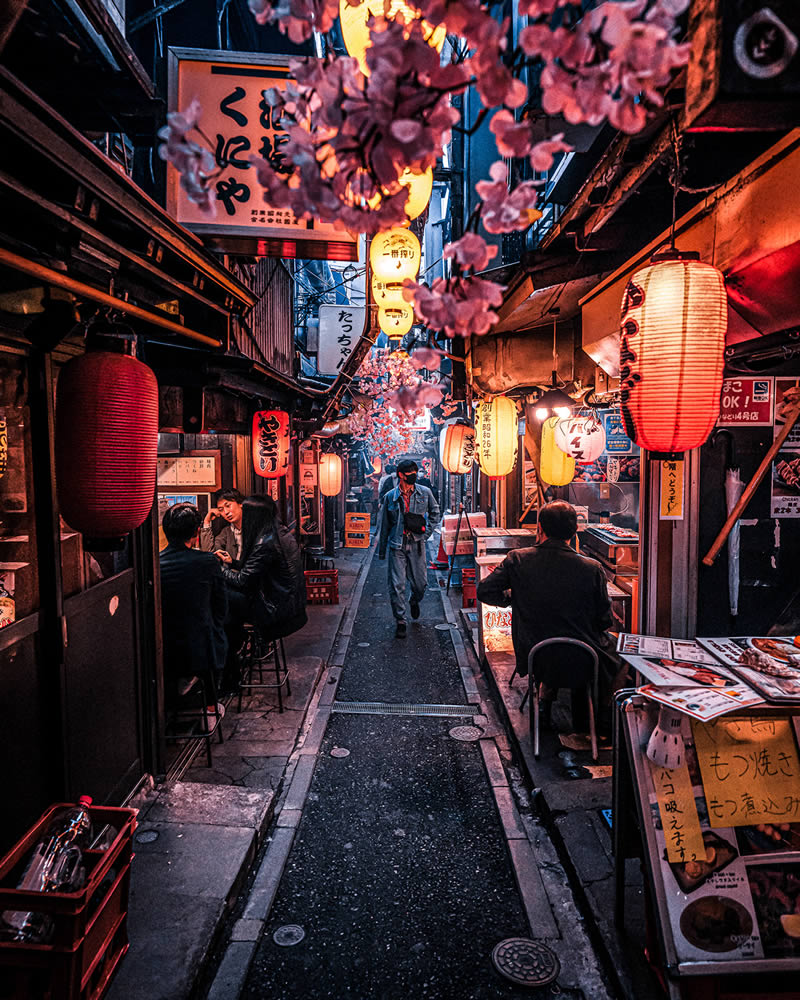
(240, 124)
(750, 769)
(678, 810)
(340, 326)
(671, 508)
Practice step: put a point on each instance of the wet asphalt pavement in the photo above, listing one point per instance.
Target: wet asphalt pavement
(399, 874)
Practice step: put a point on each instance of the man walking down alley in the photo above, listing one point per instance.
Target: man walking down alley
(409, 516)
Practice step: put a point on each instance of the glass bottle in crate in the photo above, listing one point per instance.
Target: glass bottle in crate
(56, 865)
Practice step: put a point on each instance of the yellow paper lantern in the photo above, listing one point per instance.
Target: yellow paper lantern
(419, 187)
(557, 468)
(496, 436)
(330, 474)
(387, 293)
(396, 321)
(395, 255)
(355, 32)
(457, 448)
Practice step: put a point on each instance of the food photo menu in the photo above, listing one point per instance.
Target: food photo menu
(731, 884)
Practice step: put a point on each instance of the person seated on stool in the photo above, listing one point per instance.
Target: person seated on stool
(268, 589)
(553, 591)
(229, 538)
(194, 602)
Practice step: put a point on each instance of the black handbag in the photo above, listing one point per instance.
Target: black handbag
(414, 523)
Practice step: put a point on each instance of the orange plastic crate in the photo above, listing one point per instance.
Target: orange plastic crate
(90, 936)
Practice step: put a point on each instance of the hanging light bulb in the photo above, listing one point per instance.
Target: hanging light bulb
(554, 400)
(541, 412)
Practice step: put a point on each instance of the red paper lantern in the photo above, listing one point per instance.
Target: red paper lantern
(271, 443)
(106, 443)
(674, 318)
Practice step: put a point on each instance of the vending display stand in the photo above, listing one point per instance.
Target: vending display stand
(725, 916)
(90, 926)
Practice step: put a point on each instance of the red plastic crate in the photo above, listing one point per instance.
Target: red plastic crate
(90, 936)
(322, 586)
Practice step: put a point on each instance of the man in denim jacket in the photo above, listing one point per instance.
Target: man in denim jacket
(409, 515)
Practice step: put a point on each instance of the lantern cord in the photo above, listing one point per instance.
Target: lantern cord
(676, 175)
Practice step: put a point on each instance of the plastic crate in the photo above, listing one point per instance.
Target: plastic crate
(468, 595)
(90, 926)
(322, 586)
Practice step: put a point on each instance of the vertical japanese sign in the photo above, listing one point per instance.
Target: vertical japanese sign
(678, 810)
(340, 326)
(786, 467)
(671, 507)
(240, 124)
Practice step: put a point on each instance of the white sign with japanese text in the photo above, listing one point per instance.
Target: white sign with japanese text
(340, 326)
(239, 124)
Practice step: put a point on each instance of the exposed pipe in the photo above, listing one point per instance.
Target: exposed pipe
(51, 277)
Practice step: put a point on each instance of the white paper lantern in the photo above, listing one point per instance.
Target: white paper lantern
(582, 438)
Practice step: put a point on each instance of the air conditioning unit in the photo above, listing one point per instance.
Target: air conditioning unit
(744, 68)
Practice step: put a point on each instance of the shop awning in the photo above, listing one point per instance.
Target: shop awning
(750, 229)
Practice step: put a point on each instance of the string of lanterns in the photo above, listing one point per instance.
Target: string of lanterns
(394, 256)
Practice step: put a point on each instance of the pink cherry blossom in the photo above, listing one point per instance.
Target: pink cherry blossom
(544, 152)
(536, 8)
(471, 252)
(460, 307)
(194, 162)
(426, 357)
(505, 211)
(512, 137)
(296, 18)
(411, 398)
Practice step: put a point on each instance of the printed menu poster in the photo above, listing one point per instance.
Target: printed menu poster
(702, 703)
(740, 899)
(769, 664)
(785, 473)
(673, 649)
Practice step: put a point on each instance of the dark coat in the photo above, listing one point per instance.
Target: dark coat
(554, 591)
(194, 606)
(273, 583)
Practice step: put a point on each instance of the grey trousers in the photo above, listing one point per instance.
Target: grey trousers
(408, 563)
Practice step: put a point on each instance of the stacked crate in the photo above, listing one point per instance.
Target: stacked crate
(322, 586)
(356, 531)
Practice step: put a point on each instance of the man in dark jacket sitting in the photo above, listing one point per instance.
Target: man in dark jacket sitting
(553, 591)
(194, 601)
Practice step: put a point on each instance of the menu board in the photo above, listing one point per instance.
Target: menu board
(736, 907)
(769, 664)
(656, 645)
(194, 469)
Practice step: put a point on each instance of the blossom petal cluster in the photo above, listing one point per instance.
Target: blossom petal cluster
(296, 18)
(611, 64)
(194, 162)
(411, 398)
(459, 307)
(471, 252)
(505, 211)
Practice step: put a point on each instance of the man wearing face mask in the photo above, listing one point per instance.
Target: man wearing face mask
(409, 515)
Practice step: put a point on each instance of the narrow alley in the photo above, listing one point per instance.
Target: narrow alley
(410, 860)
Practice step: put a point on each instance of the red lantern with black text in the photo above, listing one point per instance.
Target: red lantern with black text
(330, 474)
(271, 443)
(674, 319)
(106, 443)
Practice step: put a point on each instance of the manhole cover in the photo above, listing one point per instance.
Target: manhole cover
(526, 962)
(340, 752)
(289, 934)
(445, 626)
(146, 836)
(467, 734)
(363, 644)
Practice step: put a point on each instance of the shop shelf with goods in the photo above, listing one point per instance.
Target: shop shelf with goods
(89, 926)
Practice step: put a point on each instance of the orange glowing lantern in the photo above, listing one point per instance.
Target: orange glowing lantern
(388, 293)
(556, 468)
(496, 436)
(457, 448)
(271, 443)
(355, 31)
(674, 319)
(330, 474)
(582, 438)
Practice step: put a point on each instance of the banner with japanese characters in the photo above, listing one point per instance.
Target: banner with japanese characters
(239, 124)
(785, 473)
(340, 327)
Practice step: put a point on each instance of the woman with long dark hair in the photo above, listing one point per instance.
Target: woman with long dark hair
(269, 588)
